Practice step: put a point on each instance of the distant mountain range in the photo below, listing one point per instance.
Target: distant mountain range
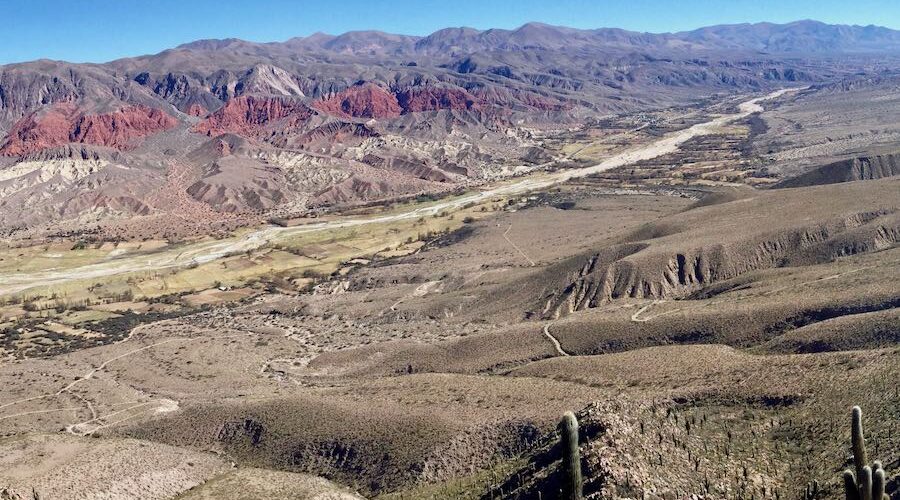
(804, 37)
(367, 115)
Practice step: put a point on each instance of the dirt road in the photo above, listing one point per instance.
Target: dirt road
(199, 253)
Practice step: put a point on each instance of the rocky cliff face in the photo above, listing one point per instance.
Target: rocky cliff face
(247, 115)
(372, 101)
(361, 101)
(65, 123)
(119, 128)
(431, 98)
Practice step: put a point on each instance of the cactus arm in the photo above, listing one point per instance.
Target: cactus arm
(865, 484)
(850, 487)
(878, 484)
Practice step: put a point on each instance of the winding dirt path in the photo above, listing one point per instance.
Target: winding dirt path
(556, 344)
(420, 291)
(636, 316)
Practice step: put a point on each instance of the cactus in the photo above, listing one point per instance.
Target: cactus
(571, 457)
(812, 491)
(868, 483)
(858, 441)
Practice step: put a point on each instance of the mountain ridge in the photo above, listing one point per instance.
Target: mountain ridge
(368, 115)
(533, 30)
(321, 40)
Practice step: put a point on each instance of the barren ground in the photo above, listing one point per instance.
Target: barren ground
(711, 333)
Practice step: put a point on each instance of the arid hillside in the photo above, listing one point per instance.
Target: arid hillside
(441, 374)
(329, 122)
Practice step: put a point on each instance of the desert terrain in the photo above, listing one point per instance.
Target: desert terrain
(239, 281)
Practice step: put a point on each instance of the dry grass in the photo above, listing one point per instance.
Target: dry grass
(396, 376)
(262, 484)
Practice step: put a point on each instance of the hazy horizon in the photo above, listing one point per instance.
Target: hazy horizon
(113, 30)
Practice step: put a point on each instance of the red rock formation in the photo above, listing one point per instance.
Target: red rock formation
(361, 101)
(63, 123)
(418, 99)
(120, 128)
(40, 130)
(197, 110)
(247, 115)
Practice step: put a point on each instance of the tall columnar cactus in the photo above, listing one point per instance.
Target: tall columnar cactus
(868, 483)
(571, 457)
(858, 441)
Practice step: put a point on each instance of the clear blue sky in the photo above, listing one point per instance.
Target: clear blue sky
(101, 30)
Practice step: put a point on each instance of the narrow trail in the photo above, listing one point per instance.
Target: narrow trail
(159, 404)
(67, 388)
(636, 316)
(87, 403)
(208, 251)
(556, 344)
(420, 291)
(37, 412)
(85, 429)
(817, 280)
(506, 237)
(89, 375)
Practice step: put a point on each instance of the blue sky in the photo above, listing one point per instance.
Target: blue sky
(102, 30)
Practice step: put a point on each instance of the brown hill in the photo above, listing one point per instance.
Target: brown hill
(853, 169)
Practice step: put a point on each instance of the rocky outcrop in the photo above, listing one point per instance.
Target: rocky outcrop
(626, 271)
(853, 169)
(431, 98)
(120, 128)
(331, 133)
(184, 90)
(41, 130)
(65, 123)
(196, 110)
(235, 184)
(265, 79)
(361, 101)
(372, 101)
(248, 115)
(407, 167)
